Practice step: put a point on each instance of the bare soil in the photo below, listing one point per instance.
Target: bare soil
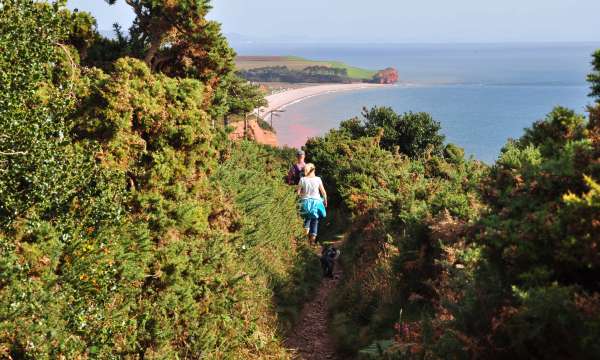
(255, 132)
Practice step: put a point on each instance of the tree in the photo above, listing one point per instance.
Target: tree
(157, 20)
(179, 40)
(594, 77)
(104, 52)
(175, 38)
(81, 27)
(243, 96)
(413, 133)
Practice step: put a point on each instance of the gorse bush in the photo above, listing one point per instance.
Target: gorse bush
(270, 216)
(40, 167)
(394, 200)
(534, 293)
(129, 230)
(448, 259)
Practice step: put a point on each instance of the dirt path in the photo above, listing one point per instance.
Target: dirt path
(310, 338)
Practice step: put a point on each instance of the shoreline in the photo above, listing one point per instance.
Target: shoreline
(286, 98)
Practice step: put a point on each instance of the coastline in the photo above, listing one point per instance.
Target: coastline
(285, 98)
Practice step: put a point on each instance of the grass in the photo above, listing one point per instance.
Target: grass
(354, 72)
(299, 63)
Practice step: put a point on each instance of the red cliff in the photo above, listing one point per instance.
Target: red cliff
(386, 76)
(255, 132)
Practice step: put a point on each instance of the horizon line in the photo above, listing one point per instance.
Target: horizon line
(495, 42)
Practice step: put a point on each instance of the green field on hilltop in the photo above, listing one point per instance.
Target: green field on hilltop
(299, 63)
(353, 72)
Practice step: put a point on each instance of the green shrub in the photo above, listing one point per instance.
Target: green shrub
(594, 77)
(415, 134)
(390, 256)
(510, 274)
(131, 231)
(41, 169)
(533, 293)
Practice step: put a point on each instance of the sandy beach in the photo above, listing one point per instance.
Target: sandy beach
(281, 100)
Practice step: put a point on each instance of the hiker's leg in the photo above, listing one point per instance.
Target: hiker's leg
(314, 227)
(306, 226)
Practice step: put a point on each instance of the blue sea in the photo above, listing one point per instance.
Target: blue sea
(482, 94)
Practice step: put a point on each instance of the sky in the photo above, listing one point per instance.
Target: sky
(389, 21)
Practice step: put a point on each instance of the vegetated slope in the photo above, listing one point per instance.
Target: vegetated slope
(393, 198)
(451, 260)
(353, 71)
(312, 74)
(128, 227)
(293, 70)
(298, 63)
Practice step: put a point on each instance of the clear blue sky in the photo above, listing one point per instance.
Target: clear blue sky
(391, 20)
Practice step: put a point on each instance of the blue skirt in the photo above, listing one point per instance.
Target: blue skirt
(312, 208)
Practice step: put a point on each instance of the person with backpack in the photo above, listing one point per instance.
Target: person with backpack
(312, 206)
(296, 171)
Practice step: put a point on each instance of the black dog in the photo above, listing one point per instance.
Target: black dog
(328, 256)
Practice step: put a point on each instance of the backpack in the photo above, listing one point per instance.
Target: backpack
(294, 175)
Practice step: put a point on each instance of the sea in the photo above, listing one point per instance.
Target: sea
(482, 94)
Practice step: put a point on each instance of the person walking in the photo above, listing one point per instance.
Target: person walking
(296, 171)
(312, 207)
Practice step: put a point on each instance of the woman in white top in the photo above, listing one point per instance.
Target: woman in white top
(310, 190)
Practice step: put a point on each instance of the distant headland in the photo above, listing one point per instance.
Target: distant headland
(295, 70)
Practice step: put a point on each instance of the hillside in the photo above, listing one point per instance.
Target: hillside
(296, 70)
(299, 63)
(127, 227)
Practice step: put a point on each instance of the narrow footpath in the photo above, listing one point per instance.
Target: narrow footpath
(310, 338)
